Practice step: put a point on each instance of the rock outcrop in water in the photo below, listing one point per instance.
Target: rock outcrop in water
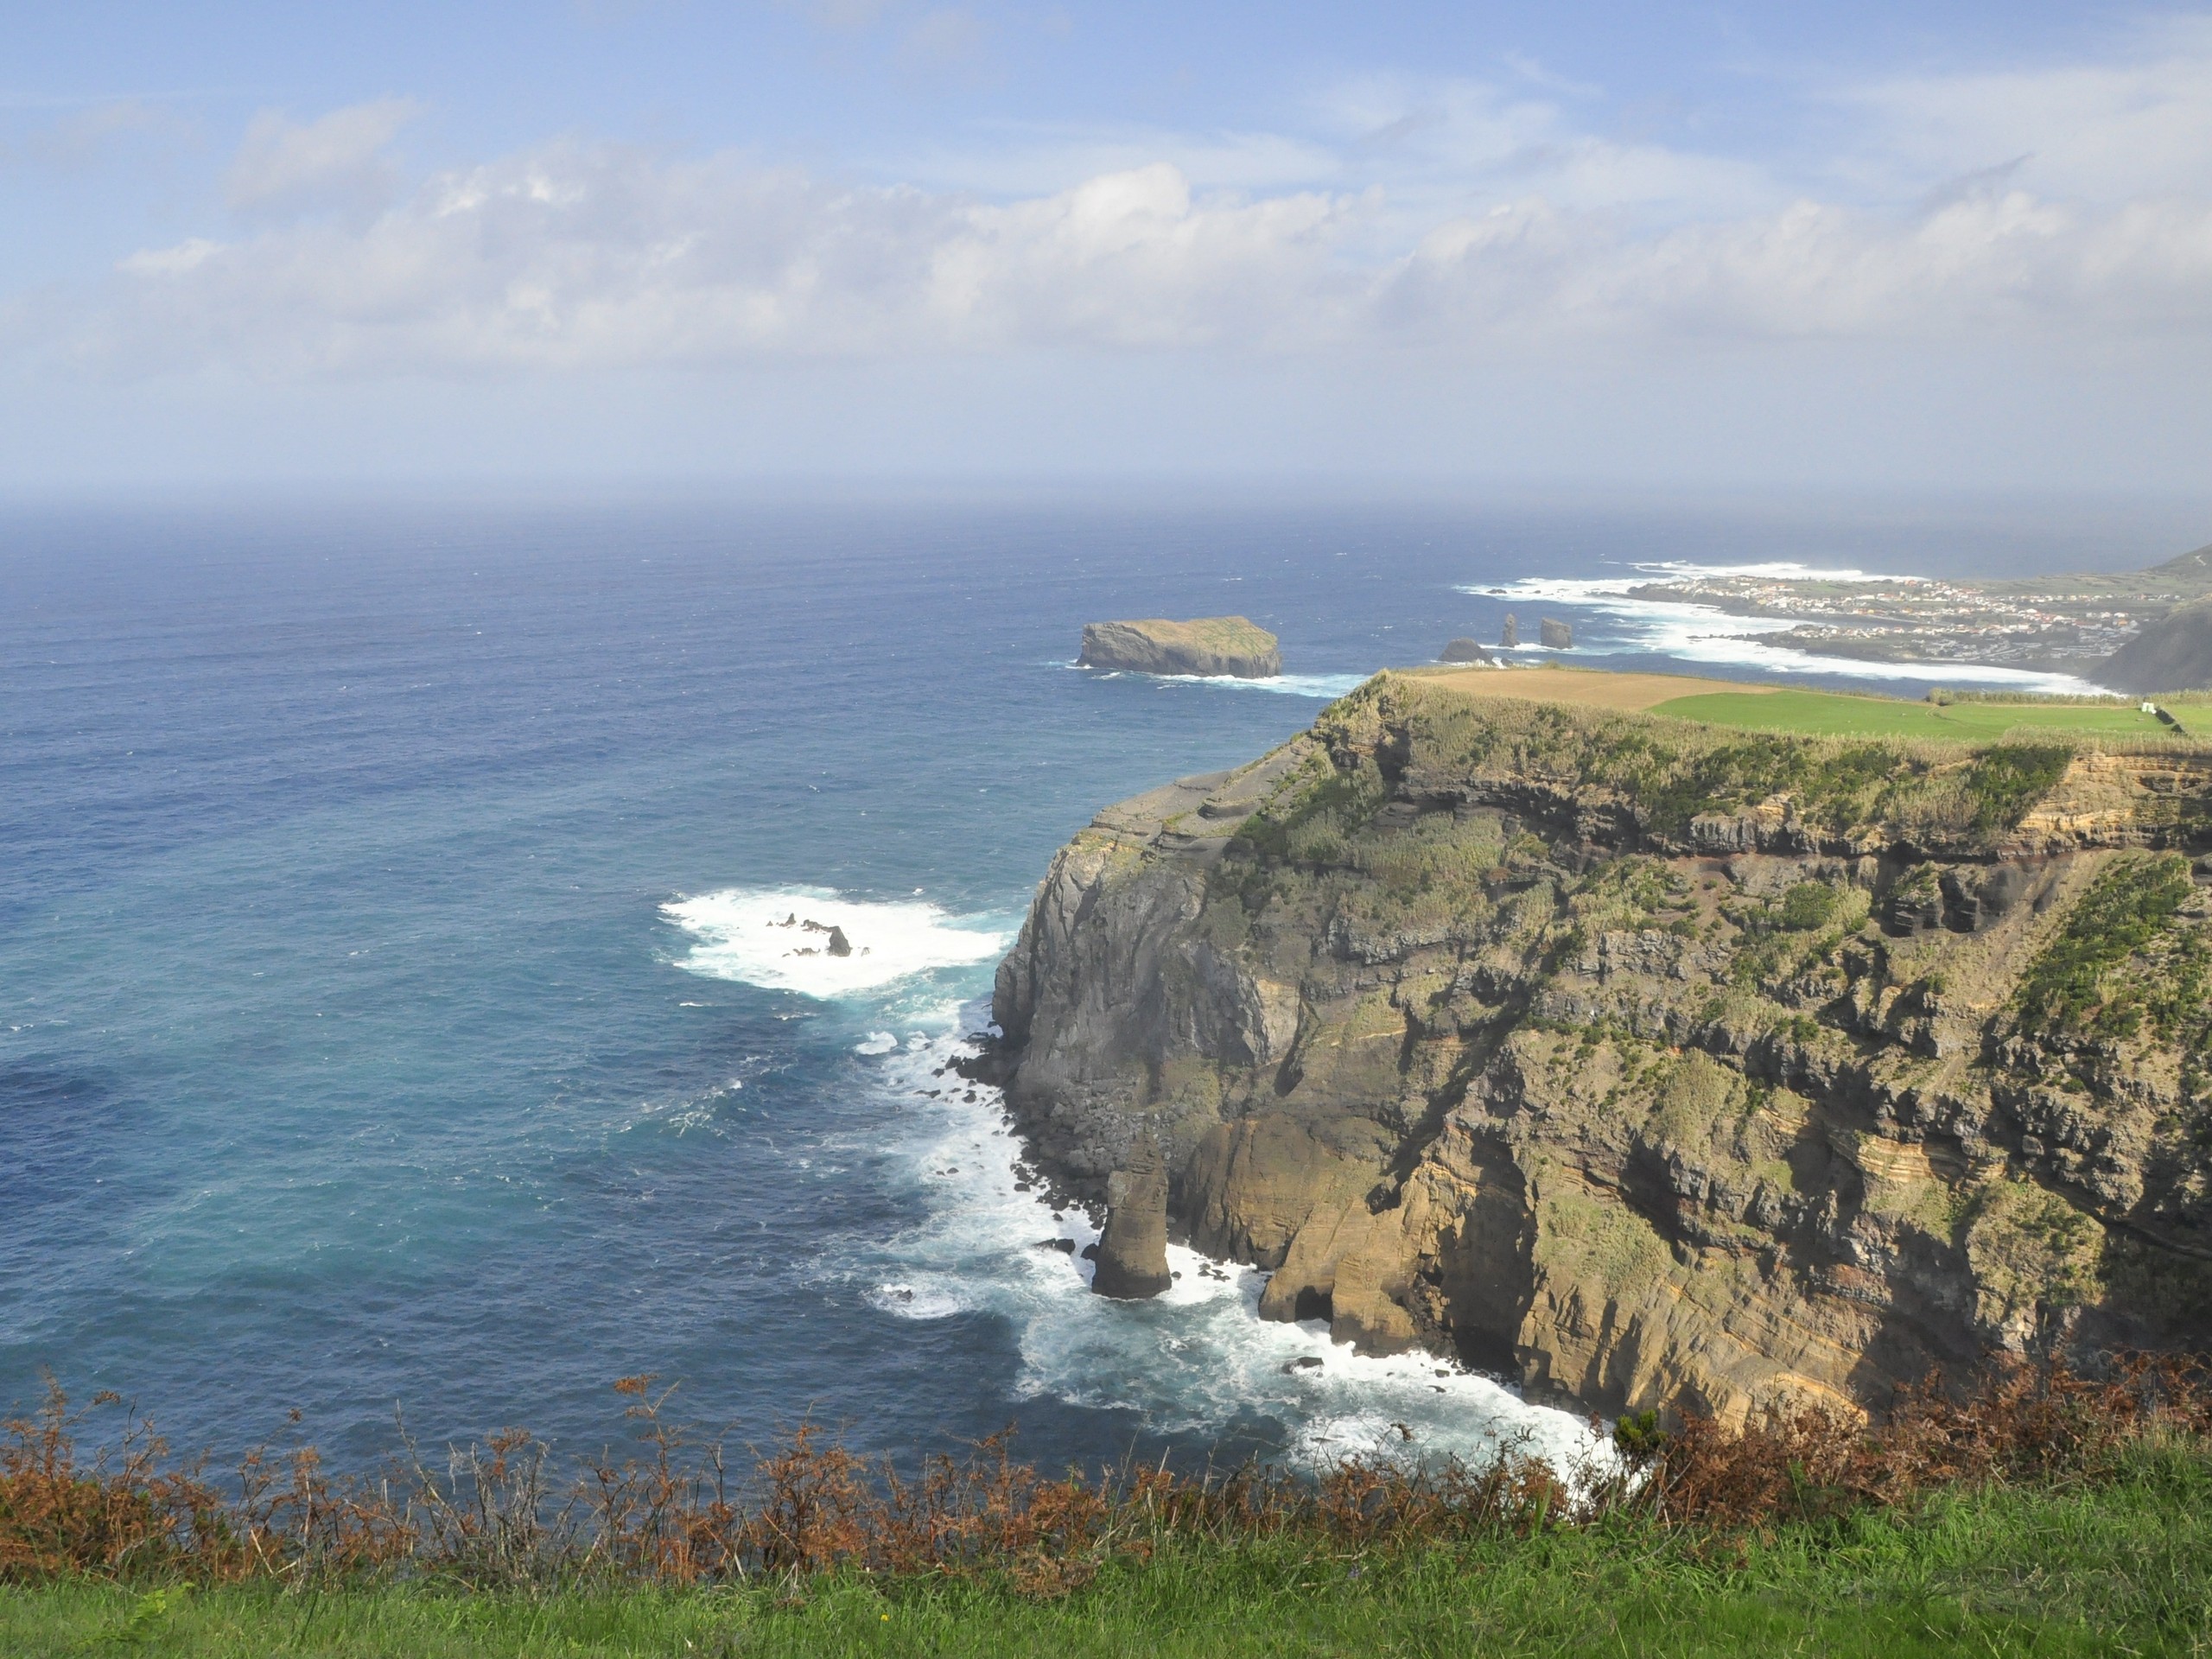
(1131, 1260)
(1208, 645)
(1464, 650)
(1554, 635)
(1647, 1063)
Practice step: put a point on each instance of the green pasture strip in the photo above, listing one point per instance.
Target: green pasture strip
(1831, 713)
(2122, 1568)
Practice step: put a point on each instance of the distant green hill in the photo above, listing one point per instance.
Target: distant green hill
(2172, 653)
(2178, 580)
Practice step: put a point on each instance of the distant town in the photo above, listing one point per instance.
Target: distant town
(2065, 623)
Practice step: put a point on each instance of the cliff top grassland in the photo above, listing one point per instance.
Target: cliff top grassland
(1965, 718)
(1959, 783)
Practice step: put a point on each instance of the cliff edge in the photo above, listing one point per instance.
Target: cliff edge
(1208, 645)
(1650, 1063)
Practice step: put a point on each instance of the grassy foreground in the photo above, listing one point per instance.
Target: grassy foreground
(2121, 1566)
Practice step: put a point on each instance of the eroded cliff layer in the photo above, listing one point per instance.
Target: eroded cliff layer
(1653, 1063)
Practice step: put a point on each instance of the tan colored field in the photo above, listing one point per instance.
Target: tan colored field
(1594, 688)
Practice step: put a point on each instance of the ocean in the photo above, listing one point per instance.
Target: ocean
(390, 1016)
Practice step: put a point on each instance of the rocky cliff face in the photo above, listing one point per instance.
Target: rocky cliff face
(1651, 1064)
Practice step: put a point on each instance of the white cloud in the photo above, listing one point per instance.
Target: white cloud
(2135, 126)
(1450, 218)
(337, 160)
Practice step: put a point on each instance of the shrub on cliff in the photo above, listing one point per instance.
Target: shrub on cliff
(2073, 987)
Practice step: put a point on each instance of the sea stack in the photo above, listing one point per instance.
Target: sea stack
(1232, 645)
(1509, 638)
(1133, 1250)
(1557, 635)
(1464, 650)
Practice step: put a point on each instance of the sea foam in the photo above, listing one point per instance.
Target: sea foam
(1693, 633)
(1197, 1360)
(759, 936)
(1328, 687)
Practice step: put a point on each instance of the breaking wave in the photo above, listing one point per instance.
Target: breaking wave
(1693, 633)
(1327, 687)
(812, 941)
(1196, 1360)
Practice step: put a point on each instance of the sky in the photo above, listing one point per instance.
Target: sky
(1393, 245)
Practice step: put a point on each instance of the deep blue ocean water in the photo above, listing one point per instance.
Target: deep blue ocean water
(379, 1022)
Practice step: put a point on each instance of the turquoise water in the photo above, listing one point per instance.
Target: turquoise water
(387, 1016)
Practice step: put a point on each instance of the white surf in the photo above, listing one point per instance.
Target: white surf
(781, 939)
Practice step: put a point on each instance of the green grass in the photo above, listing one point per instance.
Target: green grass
(1828, 714)
(2121, 1567)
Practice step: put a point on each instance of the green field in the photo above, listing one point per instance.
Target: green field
(1835, 715)
(2123, 1565)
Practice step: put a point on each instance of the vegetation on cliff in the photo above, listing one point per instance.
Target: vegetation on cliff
(2073, 987)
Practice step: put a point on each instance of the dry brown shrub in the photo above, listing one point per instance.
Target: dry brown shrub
(2019, 1422)
(497, 1513)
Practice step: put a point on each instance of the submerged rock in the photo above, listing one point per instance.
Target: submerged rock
(1208, 645)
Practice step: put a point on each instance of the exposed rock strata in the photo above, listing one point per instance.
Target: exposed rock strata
(1210, 644)
(1647, 1063)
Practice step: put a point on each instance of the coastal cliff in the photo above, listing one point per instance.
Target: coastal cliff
(1650, 1063)
(1232, 645)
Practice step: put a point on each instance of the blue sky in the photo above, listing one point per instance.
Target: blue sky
(631, 241)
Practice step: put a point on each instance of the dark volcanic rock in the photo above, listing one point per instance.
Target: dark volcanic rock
(1464, 650)
(1509, 637)
(1557, 635)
